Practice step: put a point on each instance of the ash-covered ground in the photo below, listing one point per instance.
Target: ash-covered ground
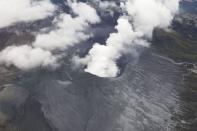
(155, 92)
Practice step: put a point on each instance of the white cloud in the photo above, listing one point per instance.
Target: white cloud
(85, 12)
(132, 30)
(68, 32)
(25, 57)
(14, 11)
(148, 14)
(101, 60)
(108, 6)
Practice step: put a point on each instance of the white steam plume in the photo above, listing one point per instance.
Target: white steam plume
(134, 29)
(14, 11)
(69, 31)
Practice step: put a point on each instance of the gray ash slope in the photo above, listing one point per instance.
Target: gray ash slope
(149, 95)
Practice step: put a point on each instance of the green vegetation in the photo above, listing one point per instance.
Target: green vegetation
(175, 45)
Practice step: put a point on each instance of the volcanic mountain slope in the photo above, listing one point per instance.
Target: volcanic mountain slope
(152, 93)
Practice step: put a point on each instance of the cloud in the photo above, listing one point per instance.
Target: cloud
(149, 14)
(108, 7)
(25, 57)
(14, 11)
(133, 30)
(101, 59)
(69, 30)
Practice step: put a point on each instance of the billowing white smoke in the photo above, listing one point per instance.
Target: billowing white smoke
(69, 31)
(14, 11)
(102, 58)
(133, 29)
